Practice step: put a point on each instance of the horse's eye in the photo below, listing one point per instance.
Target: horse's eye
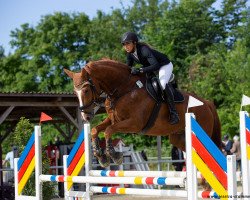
(85, 91)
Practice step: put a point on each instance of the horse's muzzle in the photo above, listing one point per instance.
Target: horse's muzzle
(87, 116)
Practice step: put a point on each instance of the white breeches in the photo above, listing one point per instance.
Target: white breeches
(165, 73)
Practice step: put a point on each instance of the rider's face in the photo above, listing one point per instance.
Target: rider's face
(129, 47)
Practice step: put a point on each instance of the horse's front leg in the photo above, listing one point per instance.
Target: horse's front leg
(124, 127)
(99, 153)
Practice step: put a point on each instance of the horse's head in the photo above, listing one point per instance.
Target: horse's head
(86, 91)
(108, 76)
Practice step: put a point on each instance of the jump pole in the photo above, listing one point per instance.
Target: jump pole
(194, 161)
(120, 173)
(149, 192)
(88, 157)
(68, 194)
(40, 177)
(193, 195)
(191, 169)
(245, 151)
(38, 170)
(85, 179)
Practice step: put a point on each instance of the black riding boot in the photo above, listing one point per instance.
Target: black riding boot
(169, 98)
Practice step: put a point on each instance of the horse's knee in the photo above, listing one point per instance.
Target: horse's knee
(94, 133)
(108, 133)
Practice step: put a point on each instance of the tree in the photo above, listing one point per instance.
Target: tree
(104, 36)
(231, 18)
(1, 63)
(144, 14)
(186, 28)
(42, 52)
(222, 76)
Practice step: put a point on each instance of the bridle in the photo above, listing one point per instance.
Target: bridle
(95, 94)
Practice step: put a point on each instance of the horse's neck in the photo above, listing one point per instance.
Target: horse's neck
(110, 80)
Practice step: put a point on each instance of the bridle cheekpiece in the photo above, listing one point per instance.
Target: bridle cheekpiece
(95, 95)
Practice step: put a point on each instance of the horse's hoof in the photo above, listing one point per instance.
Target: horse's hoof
(104, 161)
(117, 158)
(205, 185)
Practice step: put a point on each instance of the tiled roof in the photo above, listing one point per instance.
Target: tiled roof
(66, 94)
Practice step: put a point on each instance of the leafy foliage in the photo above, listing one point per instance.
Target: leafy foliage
(227, 71)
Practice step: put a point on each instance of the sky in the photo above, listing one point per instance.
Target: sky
(14, 13)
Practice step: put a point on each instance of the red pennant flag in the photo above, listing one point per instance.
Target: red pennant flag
(44, 117)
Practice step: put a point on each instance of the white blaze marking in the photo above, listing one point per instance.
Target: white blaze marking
(78, 93)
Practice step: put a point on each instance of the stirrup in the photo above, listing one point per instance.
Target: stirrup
(174, 118)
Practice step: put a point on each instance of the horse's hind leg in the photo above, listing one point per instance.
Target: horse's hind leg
(99, 153)
(178, 140)
(117, 157)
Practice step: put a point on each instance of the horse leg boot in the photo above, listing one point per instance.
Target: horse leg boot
(99, 153)
(169, 98)
(117, 157)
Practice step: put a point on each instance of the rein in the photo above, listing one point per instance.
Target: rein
(116, 89)
(111, 96)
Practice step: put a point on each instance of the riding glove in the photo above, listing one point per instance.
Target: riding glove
(135, 71)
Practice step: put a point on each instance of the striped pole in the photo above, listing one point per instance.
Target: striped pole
(209, 160)
(26, 163)
(151, 192)
(120, 173)
(74, 162)
(205, 155)
(245, 151)
(172, 174)
(115, 180)
(191, 169)
(24, 166)
(88, 158)
(231, 176)
(38, 162)
(199, 146)
(135, 191)
(76, 158)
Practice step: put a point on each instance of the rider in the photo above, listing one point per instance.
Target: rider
(151, 60)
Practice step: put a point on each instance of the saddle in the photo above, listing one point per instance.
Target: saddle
(155, 89)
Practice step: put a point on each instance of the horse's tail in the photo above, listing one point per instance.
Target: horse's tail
(216, 135)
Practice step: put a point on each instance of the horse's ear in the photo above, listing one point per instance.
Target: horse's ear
(69, 73)
(83, 73)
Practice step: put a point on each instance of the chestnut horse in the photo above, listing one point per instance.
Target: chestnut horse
(129, 108)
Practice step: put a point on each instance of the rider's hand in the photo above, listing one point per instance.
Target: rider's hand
(135, 71)
(141, 70)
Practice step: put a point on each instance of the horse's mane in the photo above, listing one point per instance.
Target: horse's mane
(107, 63)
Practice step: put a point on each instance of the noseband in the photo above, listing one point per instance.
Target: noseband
(95, 100)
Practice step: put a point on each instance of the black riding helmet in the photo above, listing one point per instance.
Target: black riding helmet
(129, 37)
